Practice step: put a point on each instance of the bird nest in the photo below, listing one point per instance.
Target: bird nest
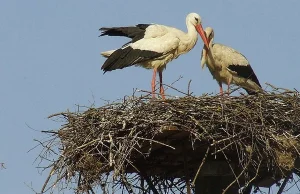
(142, 144)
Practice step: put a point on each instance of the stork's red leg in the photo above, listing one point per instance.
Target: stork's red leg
(161, 88)
(221, 89)
(228, 85)
(153, 82)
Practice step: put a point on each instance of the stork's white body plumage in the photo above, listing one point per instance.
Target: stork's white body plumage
(228, 66)
(152, 46)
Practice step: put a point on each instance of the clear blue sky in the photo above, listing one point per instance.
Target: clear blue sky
(50, 61)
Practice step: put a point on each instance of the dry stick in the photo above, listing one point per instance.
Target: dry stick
(58, 114)
(284, 183)
(179, 78)
(198, 171)
(152, 140)
(151, 186)
(88, 143)
(91, 190)
(256, 174)
(189, 85)
(295, 184)
(149, 93)
(143, 185)
(127, 185)
(277, 88)
(222, 149)
(176, 89)
(236, 179)
(225, 139)
(187, 179)
(235, 89)
(297, 172)
(111, 155)
(49, 176)
(227, 160)
(57, 180)
(79, 180)
(2, 165)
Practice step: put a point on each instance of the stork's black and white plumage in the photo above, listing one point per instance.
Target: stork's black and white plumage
(228, 65)
(152, 46)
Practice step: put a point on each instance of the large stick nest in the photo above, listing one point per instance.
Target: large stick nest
(256, 136)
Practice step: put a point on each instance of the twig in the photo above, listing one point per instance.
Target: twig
(2, 165)
(284, 183)
(151, 186)
(187, 178)
(49, 176)
(176, 89)
(189, 85)
(152, 140)
(236, 179)
(203, 161)
(58, 114)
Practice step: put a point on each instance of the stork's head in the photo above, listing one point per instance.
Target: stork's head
(195, 20)
(209, 33)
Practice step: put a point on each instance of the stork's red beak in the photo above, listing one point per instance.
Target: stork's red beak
(202, 34)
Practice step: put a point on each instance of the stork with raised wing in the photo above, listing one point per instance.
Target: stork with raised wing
(152, 46)
(228, 66)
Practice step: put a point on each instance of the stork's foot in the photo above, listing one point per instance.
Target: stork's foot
(161, 87)
(162, 93)
(221, 89)
(153, 83)
(153, 95)
(228, 86)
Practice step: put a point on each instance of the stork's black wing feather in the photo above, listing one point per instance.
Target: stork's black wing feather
(125, 57)
(134, 32)
(245, 71)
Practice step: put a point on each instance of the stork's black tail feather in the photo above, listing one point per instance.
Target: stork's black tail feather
(245, 71)
(253, 78)
(251, 92)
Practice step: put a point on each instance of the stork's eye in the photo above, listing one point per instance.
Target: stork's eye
(210, 36)
(197, 19)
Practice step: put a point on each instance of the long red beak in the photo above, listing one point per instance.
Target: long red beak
(202, 34)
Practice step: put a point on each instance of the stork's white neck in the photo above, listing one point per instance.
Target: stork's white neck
(189, 39)
(192, 34)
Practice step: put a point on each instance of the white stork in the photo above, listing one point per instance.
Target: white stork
(152, 46)
(228, 66)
